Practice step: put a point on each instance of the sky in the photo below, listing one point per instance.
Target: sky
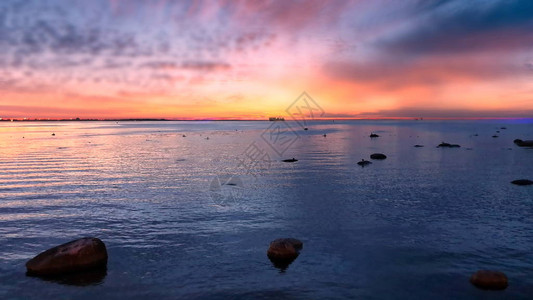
(251, 59)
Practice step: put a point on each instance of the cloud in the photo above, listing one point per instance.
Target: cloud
(452, 27)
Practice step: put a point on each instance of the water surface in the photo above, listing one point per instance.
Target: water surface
(415, 225)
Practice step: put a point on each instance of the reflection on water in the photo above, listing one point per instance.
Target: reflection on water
(90, 277)
(415, 225)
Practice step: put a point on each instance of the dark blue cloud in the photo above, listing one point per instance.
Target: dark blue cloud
(441, 27)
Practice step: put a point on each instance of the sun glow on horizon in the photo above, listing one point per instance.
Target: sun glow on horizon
(247, 60)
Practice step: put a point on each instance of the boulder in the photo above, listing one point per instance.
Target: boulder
(520, 143)
(79, 255)
(364, 162)
(447, 145)
(290, 160)
(378, 156)
(522, 182)
(282, 252)
(489, 280)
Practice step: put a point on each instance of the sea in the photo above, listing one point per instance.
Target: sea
(187, 209)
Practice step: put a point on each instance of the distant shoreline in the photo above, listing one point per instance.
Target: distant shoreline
(253, 120)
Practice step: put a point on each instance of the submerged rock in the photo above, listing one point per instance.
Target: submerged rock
(290, 160)
(364, 162)
(489, 280)
(448, 145)
(78, 255)
(378, 156)
(522, 182)
(282, 252)
(520, 143)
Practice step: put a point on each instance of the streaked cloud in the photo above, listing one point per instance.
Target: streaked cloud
(214, 58)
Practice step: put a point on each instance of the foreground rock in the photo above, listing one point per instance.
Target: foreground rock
(520, 143)
(75, 256)
(282, 252)
(378, 156)
(522, 182)
(489, 280)
(447, 145)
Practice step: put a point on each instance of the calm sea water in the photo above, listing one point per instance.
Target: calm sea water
(415, 225)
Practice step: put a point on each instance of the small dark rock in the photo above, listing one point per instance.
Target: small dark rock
(489, 280)
(290, 160)
(419, 146)
(363, 162)
(522, 182)
(448, 145)
(494, 136)
(378, 156)
(373, 135)
(520, 143)
(305, 128)
(75, 256)
(53, 134)
(503, 127)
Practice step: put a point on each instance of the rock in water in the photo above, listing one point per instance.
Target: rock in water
(522, 182)
(419, 146)
(373, 135)
(448, 145)
(520, 143)
(363, 163)
(78, 255)
(282, 252)
(489, 280)
(290, 160)
(378, 156)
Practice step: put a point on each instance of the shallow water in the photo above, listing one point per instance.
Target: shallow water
(415, 225)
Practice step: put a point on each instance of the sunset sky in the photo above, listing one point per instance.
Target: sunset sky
(251, 59)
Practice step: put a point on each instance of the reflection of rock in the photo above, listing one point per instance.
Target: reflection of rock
(75, 256)
(447, 145)
(489, 280)
(90, 277)
(282, 252)
(520, 143)
(522, 182)
(363, 163)
(378, 156)
(290, 160)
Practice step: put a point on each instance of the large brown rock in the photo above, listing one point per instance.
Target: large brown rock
(282, 252)
(489, 280)
(78, 255)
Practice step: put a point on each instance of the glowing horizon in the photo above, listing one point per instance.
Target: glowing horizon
(117, 59)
